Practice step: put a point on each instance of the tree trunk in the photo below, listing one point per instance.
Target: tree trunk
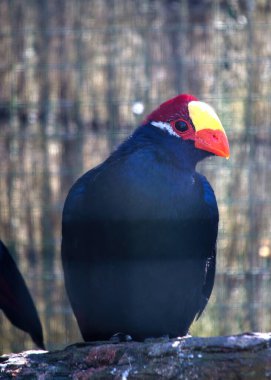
(246, 356)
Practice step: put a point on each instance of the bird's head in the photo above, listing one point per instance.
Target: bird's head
(185, 117)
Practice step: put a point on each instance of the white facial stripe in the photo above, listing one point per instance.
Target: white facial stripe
(164, 126)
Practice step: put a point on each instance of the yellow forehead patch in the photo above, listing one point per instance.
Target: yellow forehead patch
(204, 116)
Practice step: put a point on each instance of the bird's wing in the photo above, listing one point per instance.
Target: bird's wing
(209, 282)
(15, 299)
(210, 201)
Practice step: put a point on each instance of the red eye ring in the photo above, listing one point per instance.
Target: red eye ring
(181, 125)
(183, 128)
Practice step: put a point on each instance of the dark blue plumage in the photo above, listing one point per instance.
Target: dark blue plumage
(139, 239)
(15, 299)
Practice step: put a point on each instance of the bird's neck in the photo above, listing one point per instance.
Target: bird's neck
(180, 153)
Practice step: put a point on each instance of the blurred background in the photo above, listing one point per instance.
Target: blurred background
(76, 77)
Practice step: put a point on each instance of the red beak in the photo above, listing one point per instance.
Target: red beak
(214, 141)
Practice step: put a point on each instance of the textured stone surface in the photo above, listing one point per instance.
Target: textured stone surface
(246, 356)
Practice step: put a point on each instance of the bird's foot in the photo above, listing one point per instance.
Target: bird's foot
(120, 337)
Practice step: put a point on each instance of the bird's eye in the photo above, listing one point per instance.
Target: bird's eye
(181, 125)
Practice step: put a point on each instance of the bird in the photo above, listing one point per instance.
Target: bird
(15, 299)
(139, 230)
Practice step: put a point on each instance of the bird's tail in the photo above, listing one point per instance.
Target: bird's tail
(15, 299)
